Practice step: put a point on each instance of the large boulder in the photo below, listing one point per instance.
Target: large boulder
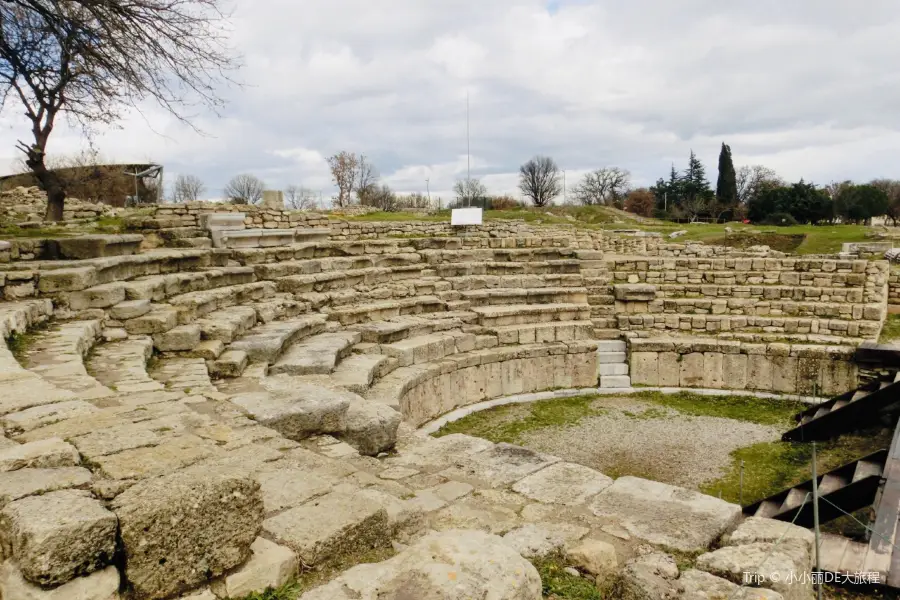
(450, 565)
(783, 568)
(182, 530)
(649, 577)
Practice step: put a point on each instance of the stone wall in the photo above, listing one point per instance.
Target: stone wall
(730, 365)
(30, 204)
(894, 288)
(167, 216)
(498, 372)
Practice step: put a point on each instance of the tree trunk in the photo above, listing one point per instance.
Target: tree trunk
(56, 195)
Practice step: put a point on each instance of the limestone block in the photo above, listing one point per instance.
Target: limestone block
(757, 529)
(665, 515)
(734, 369)
(58, 536)
(501, 465)
(297, 410)
(269, 566)
(43, 454)
(537, 541)
(28, 482)
(179, 530)
(784, 374)
(594, 556)
(777, 568)
(645, 368)
(100, 296)
(447, 565)
(669, 369)
(100, 585)
(713, 370)
(209, 349)
(331, 525)
(563, 483)
(181, 338)
(156, 321)
(649, 577)
(370, 427)
(698, 585)
(759, 373)
(691, 373)
(130, 309)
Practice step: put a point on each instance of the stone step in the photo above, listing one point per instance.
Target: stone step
(612, 346)
(466, 283)
(499, 255)
(748, 324)
(555, 331)
(612, 369)
(343, 279)
(400, 328)
(279, 306)
(122, 366)
(266, 342)
(312, 258)
(194, 305)
(57, 355)
(502, 296)
(473, 268)
(615, 381)
(227, 324)
(379, 311)
(159, 319)
(429, 348)
(314, 355)
(605, 358)
(160, 287)
(516, 314)
(189, 375)
(228, 364)
(357, 372)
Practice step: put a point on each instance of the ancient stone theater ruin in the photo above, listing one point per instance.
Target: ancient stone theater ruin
(229, 399)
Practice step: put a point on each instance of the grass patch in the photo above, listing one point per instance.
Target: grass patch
(289, 591)
(891, 329)
(110, 225)
(776, 241)
(14, 231)
(20, 343)
(765, 411)
(507, 423)
(559, 585)
(771, 467)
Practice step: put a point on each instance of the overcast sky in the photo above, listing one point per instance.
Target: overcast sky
(810, 88)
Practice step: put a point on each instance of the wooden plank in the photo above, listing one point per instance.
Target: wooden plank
(884, 536)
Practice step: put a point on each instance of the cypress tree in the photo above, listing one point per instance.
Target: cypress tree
(726, 187)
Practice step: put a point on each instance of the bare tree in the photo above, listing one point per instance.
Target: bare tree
(602, 186)
(366, 179)
(245, 189)
(891, 187)
(539, 180)
(344, 166)
(297, 197)
(751, 180)
(379, 196)
(469, 191)
(187, 188)
(89, 59)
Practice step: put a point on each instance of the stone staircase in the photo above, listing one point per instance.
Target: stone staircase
(613, 365)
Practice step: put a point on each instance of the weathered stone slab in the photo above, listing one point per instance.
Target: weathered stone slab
(296, 410)
(594, 556)
(449, 565)
(781, 568)
(284, 486)
(48, 414)
(500, 465)
(269, 566)
(315, 355)
(141, 463)
(757, 529)
(178, 339)
(44, 454)
(665, 515)
(698, 585)
(330, 526)
(537, 541)
(649, 577)
(370, 427)
(180, 530)
(29, 482)
(58, 536)
(100, 585)
(563, 483)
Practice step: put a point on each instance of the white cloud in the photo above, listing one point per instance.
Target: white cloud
(806, 87)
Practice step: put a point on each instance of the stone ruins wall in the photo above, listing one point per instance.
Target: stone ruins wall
(167, 216)
(730, 365)
(894, 286)
(30, 204)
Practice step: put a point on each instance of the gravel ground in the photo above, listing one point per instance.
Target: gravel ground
(648, 440)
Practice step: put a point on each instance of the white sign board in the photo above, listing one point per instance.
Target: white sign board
(465, 216)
